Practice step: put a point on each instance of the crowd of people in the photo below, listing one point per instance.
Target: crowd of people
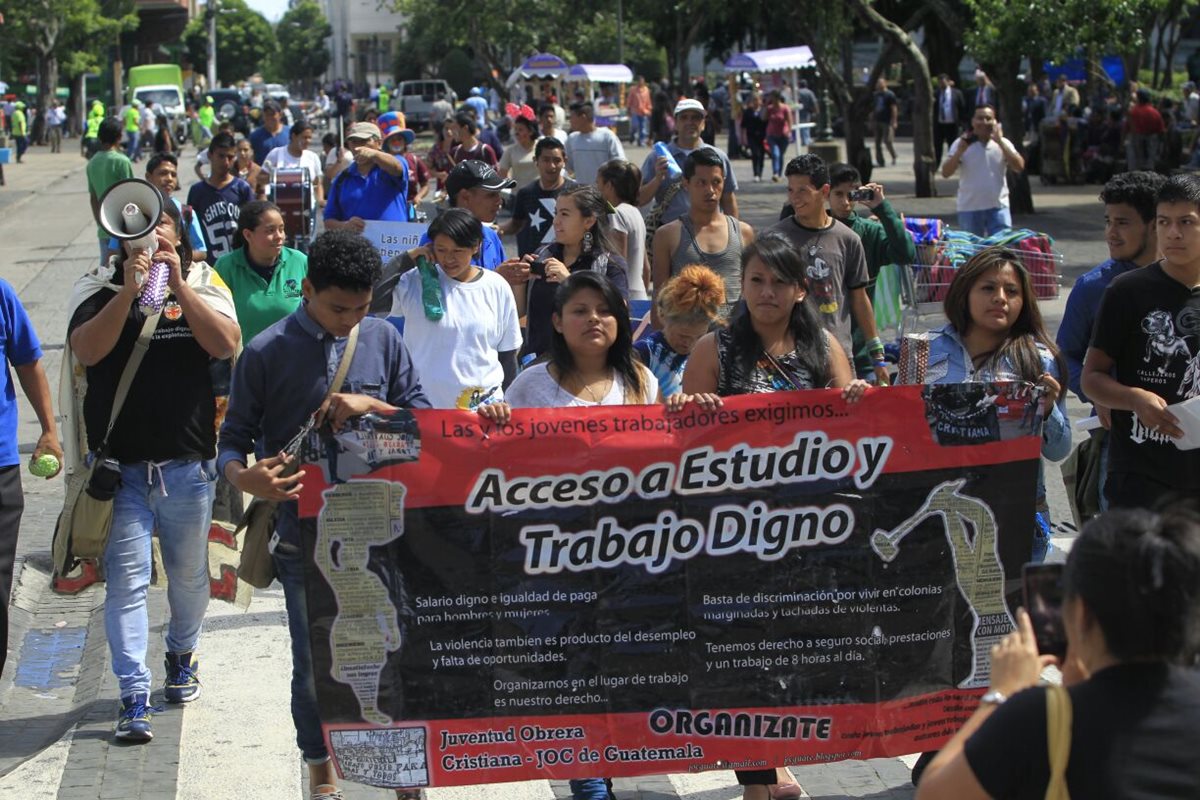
(734, 311)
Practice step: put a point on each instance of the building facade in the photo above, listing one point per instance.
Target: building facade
(365, 40)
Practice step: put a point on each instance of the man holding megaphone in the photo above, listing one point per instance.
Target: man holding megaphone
(155, 455)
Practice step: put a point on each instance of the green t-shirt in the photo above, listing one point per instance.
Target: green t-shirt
(19, 126)
(103, 170)
(259, 305)
(133, 119)
(207, 116)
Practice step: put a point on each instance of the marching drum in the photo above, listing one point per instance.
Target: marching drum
(292, 191)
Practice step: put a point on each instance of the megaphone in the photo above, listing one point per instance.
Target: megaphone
(130, 211)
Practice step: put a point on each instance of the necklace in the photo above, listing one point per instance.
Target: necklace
(587, 387)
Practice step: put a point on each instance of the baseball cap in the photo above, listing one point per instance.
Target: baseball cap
(364, 130)
(390, 125)
(688, 104)
(471, 173)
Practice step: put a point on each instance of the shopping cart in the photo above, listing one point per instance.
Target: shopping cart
(923, 286)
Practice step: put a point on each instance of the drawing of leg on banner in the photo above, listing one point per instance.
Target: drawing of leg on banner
(359, 515)
(977, 567)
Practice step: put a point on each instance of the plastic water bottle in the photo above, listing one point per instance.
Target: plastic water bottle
(662, 151)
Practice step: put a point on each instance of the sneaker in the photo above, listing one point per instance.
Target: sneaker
(182, 685)
(774, 179)
(133, 724)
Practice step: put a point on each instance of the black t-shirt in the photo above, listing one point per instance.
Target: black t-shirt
(884, 101)
(1132, 737)
(535, 207)
(169, 412)
(1149, 324)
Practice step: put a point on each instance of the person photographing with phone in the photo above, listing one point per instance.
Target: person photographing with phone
(1131, 598)
(984, 156)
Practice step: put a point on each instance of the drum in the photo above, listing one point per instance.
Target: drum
(291, 190)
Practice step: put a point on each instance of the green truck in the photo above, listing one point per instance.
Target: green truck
(161, 86)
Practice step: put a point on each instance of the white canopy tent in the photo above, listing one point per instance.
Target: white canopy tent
(539, 66)
(783, 59)
(591, 74)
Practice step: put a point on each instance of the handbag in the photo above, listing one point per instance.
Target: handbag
(85, 521)
(256, 566)
(1081, 475)
(1058, 738)
(654, 218)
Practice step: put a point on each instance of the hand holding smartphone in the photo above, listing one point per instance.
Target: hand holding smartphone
(1043, 591)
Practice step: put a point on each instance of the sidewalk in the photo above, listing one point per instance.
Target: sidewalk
(237, 740)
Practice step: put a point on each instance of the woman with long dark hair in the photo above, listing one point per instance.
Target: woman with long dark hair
(995, 333)
(778, 343)
(581, 229)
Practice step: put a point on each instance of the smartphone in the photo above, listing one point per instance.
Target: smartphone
(1043, 602)
(862, 194)
(538, 268)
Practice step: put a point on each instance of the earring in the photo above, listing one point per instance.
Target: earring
(587, 241)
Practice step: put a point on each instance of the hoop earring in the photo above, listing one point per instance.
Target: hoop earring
(587, 241)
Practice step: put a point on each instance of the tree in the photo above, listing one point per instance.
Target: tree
(63, 35)
(301, 34)
(245, 42)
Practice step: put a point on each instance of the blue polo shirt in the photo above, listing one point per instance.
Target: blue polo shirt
(491, 252)
(263, 142)
(20, 345)
(378, 196)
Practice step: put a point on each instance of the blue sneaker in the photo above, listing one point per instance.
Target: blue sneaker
(182, 685)
(133, 724)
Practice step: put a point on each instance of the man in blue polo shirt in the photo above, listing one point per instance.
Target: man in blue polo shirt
(374, 187)
(271, 134)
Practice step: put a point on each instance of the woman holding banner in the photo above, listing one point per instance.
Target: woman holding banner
(777, 345)
(995, 333)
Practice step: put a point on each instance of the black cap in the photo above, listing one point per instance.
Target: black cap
(471, 173)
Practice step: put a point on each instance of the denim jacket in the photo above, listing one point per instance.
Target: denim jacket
(949, 362)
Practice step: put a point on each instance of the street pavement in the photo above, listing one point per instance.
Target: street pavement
(58, 698)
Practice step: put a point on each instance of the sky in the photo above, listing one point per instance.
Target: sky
(271, 9)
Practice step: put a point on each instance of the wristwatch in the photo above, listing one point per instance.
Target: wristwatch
(993, 698)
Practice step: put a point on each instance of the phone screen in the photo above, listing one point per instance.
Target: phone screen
(1043, 603)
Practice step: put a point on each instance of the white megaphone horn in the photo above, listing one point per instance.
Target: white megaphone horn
(130, 210)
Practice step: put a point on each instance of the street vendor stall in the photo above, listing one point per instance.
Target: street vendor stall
(788, 60)
(610, 115)
(539, 68)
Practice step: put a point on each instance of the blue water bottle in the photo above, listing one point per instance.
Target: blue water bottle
(662, 151)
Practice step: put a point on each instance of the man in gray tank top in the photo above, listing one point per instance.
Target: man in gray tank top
(705, 235)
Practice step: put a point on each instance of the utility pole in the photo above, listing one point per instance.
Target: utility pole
(210, 16)
(620, 32)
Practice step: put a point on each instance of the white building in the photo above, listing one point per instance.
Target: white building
(365, 40)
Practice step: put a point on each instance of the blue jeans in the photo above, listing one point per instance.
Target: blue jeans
(985, 222)
(779, 147)
(131, 145)
(638, 124)
(289, 568)
(175, 499)
(805, 133)
(589, 789)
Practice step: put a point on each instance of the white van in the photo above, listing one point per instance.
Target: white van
(417, 98)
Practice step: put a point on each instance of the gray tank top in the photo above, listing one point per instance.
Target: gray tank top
(727, 263)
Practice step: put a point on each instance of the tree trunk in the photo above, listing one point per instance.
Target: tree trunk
(898, 39)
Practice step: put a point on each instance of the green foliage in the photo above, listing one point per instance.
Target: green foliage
(301, 34)
(1056, 29)
(458, 71)
(245, 42)
(76, 33)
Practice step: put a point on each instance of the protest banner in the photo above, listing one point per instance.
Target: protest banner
(393, 239)
(621, 591)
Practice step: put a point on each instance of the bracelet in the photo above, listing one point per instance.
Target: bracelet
(875, 344)
(881, 364)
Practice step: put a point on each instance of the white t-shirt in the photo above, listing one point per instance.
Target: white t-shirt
(280, 158)
(587, 152)
(629, 220)
(520, 164)
(536, 388)
(981, 181)
(457, 357)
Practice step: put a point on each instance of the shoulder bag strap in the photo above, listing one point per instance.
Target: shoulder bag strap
(339, 377)
(781, 371)
(1058, 737)
(131, 367)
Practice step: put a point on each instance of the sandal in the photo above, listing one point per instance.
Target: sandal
(326, 791)
(785, 791)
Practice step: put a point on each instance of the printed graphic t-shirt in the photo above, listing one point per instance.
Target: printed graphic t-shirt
(1149, 324)
(535, 207)
(217, 210)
